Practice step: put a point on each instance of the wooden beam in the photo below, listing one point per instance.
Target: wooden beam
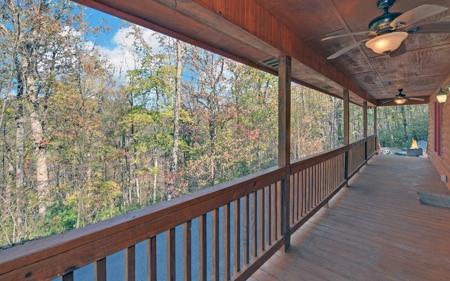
(284, 140)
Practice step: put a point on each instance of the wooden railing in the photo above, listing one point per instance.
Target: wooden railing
(239, 225)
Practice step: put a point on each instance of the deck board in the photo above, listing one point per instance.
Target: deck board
(376, 229)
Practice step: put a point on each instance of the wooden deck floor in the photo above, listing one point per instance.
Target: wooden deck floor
(376, 229)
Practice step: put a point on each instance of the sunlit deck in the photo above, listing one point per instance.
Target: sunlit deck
(374, 230)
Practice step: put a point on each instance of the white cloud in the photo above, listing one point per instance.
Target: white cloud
(121, 56)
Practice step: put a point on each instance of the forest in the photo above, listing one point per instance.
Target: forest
(82, 140)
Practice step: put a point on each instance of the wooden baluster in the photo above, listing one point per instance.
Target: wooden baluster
(100, 270)
(304, 182)
(335, 179)
(237, 236)
(322, 182)
(215, 245)
(130, 272)
(68, 276)
(273, 215)
(170, 255)
(226, 242)
(294, 186)
(261, 226)
(268, 194)
(202, 255)
(291, 198)
(314, 186)
(246, 229)
(254, 225)
(278, 212)
(317, 185)
(309, 189)
(151, 259)
(300, 194)
(187, 268)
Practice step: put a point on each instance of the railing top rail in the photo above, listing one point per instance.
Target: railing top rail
(312, 160)
(357, 143)
(110, 236)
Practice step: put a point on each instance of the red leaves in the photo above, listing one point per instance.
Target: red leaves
(248, 134)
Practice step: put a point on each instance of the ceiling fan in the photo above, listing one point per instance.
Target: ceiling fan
(400, 98)
(388, 31)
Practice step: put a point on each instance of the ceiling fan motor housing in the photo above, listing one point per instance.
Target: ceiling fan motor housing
(385, 4)
(382, 23)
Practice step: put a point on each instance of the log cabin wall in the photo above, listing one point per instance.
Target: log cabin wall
(442, 162)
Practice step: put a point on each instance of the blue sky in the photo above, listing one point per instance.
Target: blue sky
(97, 18)
(114, 43)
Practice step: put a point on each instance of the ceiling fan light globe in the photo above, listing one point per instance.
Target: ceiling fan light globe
(400, 101)
(387, 42)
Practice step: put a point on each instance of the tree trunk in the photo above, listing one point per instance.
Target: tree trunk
(176, 119)
(41, 162)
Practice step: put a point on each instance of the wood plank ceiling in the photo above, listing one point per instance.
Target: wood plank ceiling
(421, 71)
(252, 30)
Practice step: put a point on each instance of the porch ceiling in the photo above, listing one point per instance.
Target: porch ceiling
(252, 30)
(420, 71)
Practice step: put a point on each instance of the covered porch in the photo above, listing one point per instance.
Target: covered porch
(376, 229)
(275, 224)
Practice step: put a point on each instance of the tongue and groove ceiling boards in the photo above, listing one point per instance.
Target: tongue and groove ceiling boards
(420, 71)
(251, 31)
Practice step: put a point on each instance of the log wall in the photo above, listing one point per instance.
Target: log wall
(442, 162)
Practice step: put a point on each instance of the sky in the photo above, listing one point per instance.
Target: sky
(112, 43)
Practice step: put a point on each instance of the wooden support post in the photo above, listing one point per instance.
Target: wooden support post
(365, 118)
(375, 127)
(365, 128)
(346, 128)
(284, 140)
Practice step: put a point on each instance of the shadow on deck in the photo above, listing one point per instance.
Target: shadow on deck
(376, 229)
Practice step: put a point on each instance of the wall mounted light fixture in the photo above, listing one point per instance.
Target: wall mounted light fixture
(441, 96)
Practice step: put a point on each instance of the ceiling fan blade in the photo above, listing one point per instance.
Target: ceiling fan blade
(350, 34)
(386, 101)
(346, 49)
(432, 27)
(421, 99)
(422, 12)
(399, 51)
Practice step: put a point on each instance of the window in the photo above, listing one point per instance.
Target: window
(438, 128)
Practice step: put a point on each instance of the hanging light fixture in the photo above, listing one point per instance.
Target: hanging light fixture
(387, 42)
(400, 100)
(441, 96)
